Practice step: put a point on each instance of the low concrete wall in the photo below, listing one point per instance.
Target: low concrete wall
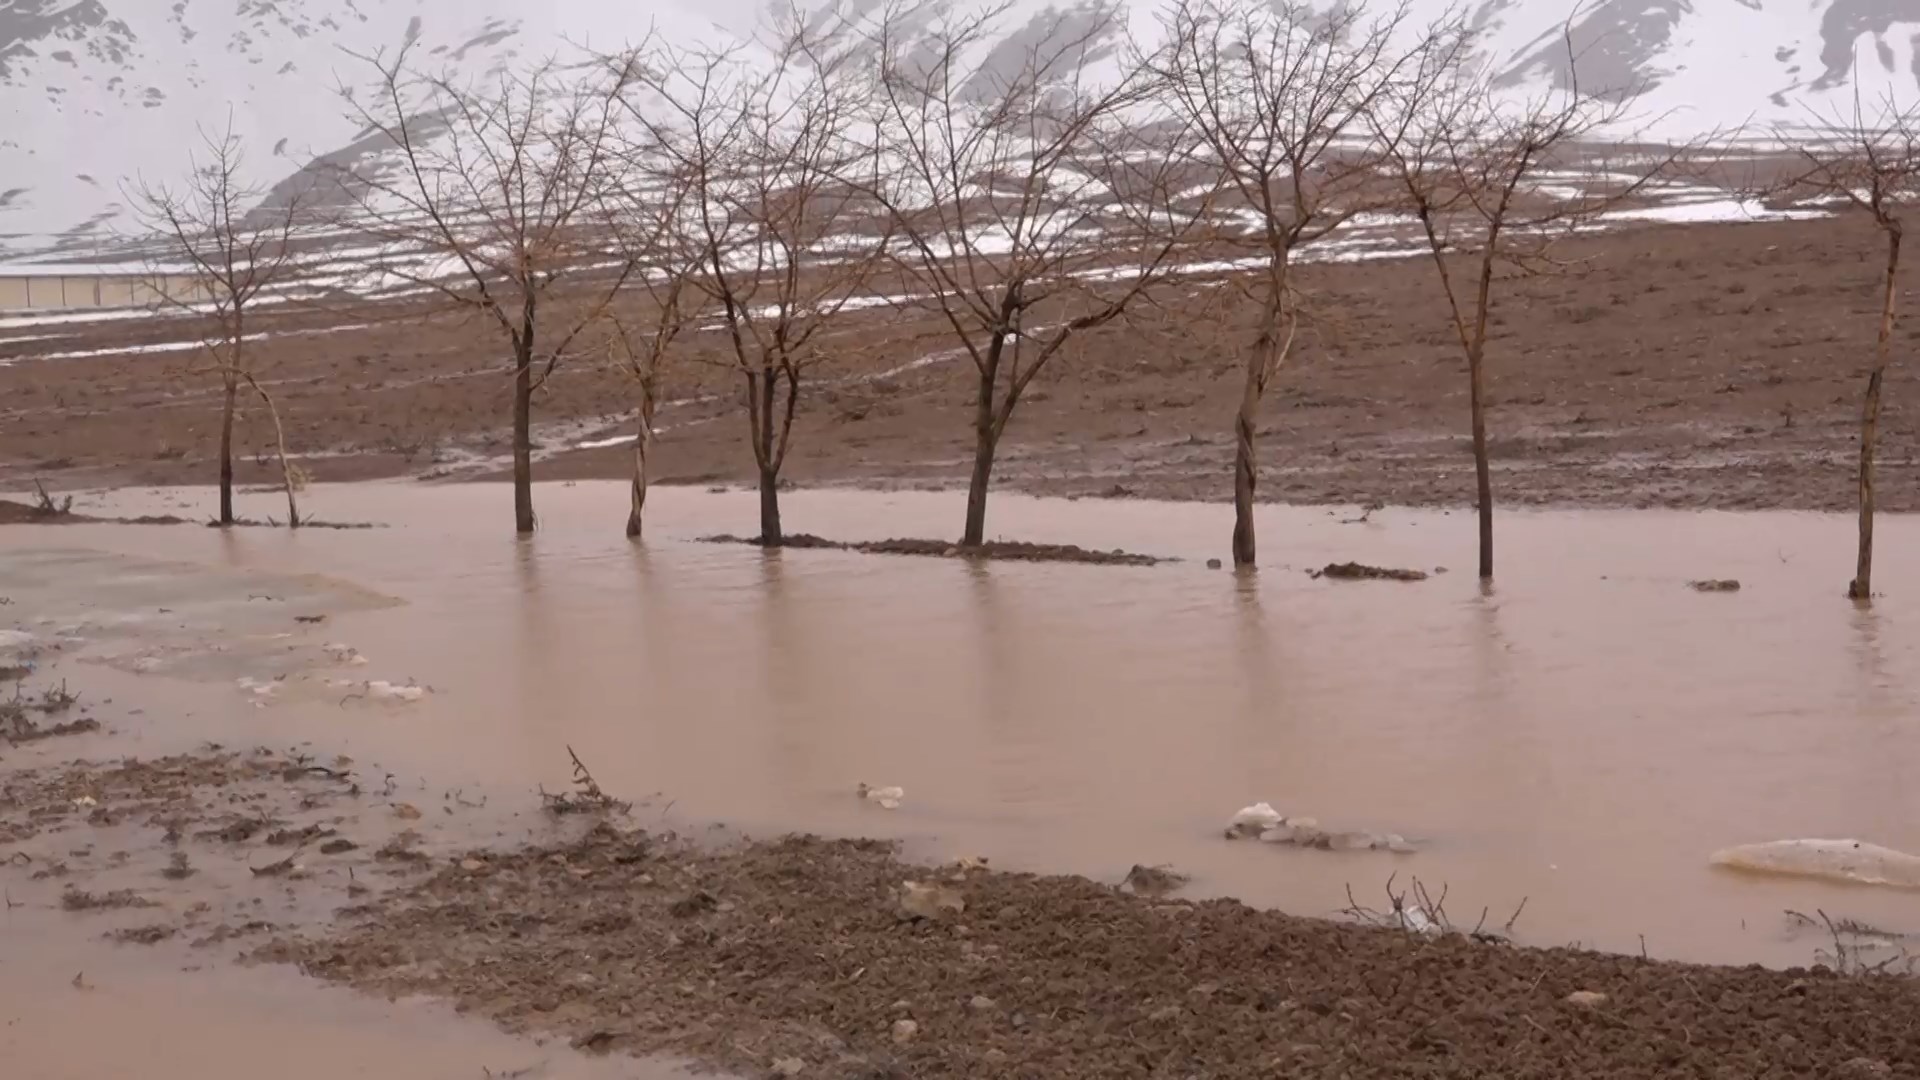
(39, 291)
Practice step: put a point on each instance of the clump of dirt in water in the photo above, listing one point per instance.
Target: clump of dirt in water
(25, 717)
(1003, 550)
(1353, 571)
(799, 952)
(217, 844)
(165, 790)
(76, 899)
(14, 513)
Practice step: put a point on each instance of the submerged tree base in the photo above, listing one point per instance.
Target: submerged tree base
(1006, 550)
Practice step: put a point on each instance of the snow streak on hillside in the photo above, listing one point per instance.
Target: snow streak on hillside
(95, 92)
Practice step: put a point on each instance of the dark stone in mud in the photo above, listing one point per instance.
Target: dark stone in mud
(1069, 979)
(76, 899)
(1154, 880)
(237, 831)
(142, 935)
(1353, 571)
(1004, 550)
(695, 904)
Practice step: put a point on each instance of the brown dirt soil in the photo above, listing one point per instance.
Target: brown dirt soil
(1003, 550)
(1353, 571)
(763, 955)
(216, 843)
(1694, 366)
(14, 513)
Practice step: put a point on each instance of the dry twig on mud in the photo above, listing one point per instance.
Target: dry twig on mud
(46, 505)
(16, 716)
(1854, 941)
(1417, 910)
(586, 798)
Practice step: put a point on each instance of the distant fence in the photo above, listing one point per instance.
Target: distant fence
(77, 288)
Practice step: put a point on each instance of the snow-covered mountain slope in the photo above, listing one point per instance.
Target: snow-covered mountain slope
(96, 92)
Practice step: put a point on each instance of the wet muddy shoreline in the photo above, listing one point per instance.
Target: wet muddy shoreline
(836, 958)
(801, 956)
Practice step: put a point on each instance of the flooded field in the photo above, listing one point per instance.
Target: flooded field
(1583, 737)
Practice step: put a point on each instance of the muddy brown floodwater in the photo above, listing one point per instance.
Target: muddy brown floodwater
(1583, 736)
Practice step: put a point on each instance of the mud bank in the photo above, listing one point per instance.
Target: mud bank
(800, 957)
(1003, 550)
(795, 957)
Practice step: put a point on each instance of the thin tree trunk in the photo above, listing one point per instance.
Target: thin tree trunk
(1262, 361)
(642, 443)
(1861, 587)
(1482, 470)
(1473, 343)
(984, 444)
(226, 447)
(286, 467)
(523, 441)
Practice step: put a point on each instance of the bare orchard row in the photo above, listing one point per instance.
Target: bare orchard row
(739, 207)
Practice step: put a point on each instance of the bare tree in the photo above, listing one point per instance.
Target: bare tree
(487, 200)
(1032, 203)
(1469, 166)
(646, 219)
(234, 252)
(1279, 93)
(785, 245)
(1870, 163)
